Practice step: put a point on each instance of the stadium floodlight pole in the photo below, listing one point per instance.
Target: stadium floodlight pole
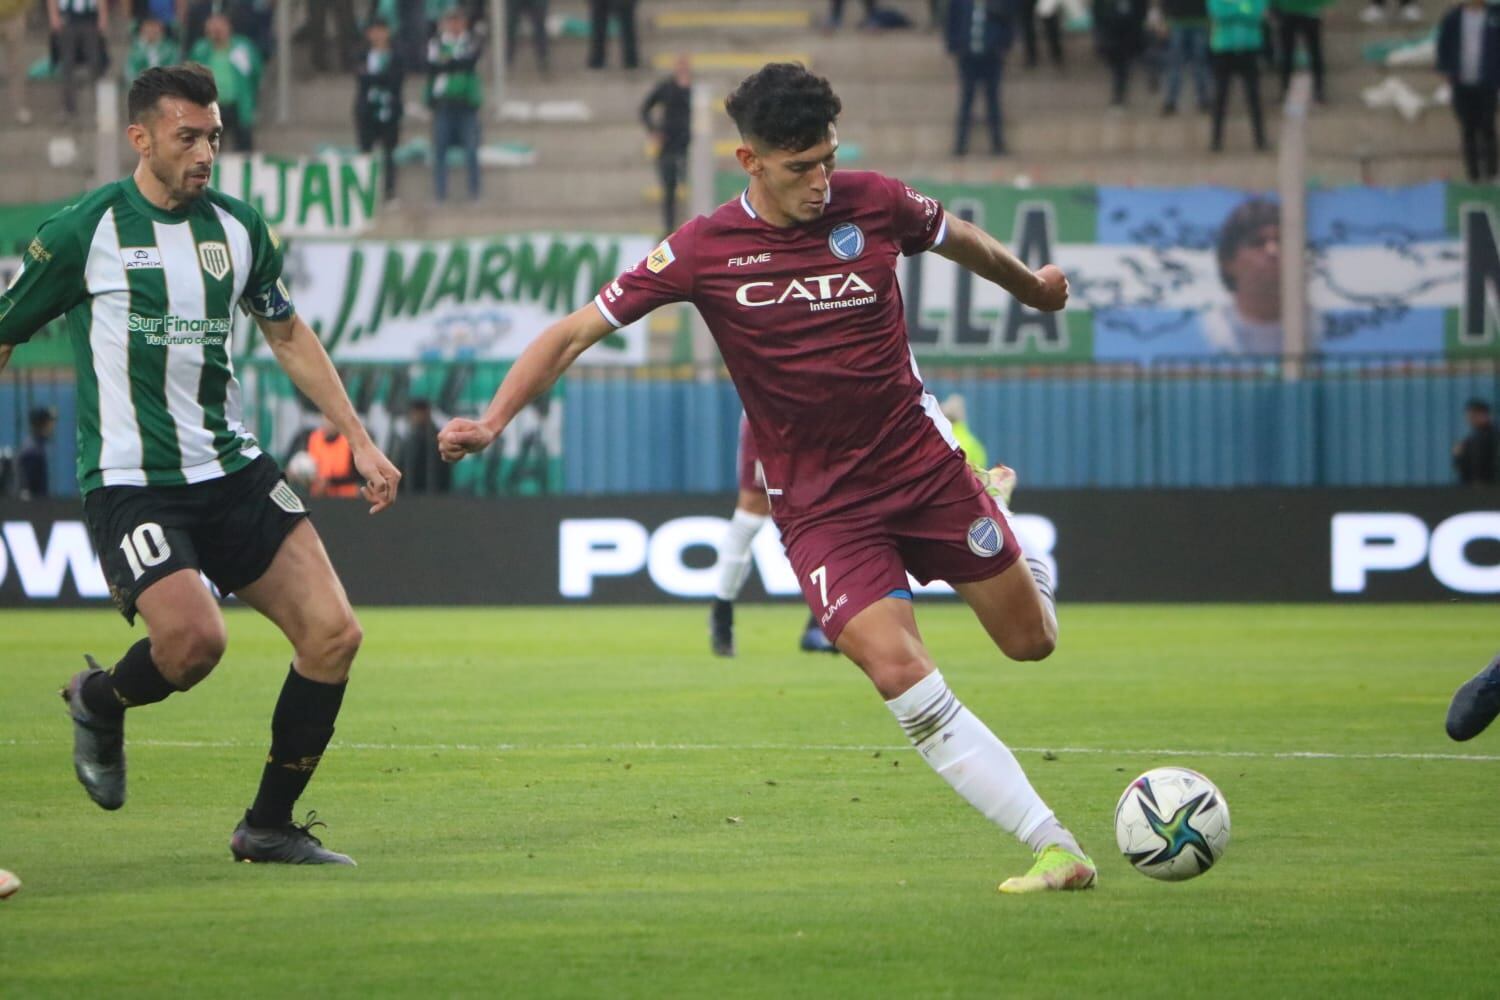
(498, 68)
(701, 202)
(283, 12)
(1292, 179)
(107, 130)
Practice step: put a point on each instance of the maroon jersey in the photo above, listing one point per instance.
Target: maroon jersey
(810, 322)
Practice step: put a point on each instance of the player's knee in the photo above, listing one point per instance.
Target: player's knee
(188, 654)
(333, 649)
(1034, 643)
(895, 675)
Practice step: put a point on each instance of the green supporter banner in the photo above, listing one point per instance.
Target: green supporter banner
(326, 195)
(480, 299)
(526, 461)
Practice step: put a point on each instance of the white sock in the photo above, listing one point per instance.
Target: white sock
(1043, 577)
(734, 553)
(972, 759)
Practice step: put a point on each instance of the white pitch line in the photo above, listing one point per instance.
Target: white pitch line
(789, 747)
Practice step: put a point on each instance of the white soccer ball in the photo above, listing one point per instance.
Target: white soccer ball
(302, 468)
(1172, 823)
(9, 884)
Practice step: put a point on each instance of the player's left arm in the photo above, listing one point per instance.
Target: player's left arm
(307, 364)
(972, 248)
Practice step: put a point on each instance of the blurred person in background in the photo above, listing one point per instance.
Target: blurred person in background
(332, 473)
(622, 12)
(377, 101)
(13, 38)
(956, 409)
(422, 468)
(1374, 12)
(672, 131)
(1027, 14)
(1187, 48)
(235, 63)
(1236, 38)
(535, 12)
(836, 12)
(454, 93)
(81, 27)
(1301, 19)
(1120, 35)
(151, 47)
(978, 36)
(32, 461)
(1475, 456)
(752, 509)
(1468, 56)
(314, 31)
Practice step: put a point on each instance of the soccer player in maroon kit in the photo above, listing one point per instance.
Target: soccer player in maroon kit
(796, 279)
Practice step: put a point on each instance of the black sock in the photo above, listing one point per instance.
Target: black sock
(132, 682)
(300, 731)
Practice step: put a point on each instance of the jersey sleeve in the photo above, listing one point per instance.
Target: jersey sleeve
(918, 222)
(49, 283)
(265, 293)
(665, 276)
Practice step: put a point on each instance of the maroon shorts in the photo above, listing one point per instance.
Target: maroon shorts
(748, 459)
(944, 527)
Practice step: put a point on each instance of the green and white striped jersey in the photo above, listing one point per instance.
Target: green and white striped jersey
(148, 298)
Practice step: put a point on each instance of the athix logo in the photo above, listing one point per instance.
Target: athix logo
(820, 292)
(760, 258)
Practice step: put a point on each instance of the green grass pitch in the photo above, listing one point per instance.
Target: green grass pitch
(581, 802)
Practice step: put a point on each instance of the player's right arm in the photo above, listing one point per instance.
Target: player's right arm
(540, 365)
(49, 283)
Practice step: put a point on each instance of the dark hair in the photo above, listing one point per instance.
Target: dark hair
(40, 416)
(785, 106)
(191, 81)
(1477, 404)
(1240, 229)
(419, 403)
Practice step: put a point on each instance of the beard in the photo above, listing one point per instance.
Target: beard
(176, 184)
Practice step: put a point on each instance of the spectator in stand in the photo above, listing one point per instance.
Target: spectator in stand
(345, 41)
(150, 48)
(623, 14)
(672, 131)
(13, 37)
(1375, 12)
(235, 63)
(979, 34)
(332, 470)
(454, 92)
(1301, 19)
(1236, 36)
(33, 458)
(1120, 35)
(422, 468)
(1468, 55)
(535, 12)
(1028, 13)
(80, 27)
(1187, 47)
(1475, 456)
(377, 101)
(836, 12)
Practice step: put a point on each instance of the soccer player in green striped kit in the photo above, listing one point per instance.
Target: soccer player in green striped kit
(147, 272)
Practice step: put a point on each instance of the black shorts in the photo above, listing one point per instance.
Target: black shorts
(229, 528)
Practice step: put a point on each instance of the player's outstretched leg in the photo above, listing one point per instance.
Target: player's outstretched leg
(813, 639)
(185, 641)
(1476, 703)
(302, 595)
(883, 640)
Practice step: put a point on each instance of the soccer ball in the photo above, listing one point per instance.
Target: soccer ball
(1172, 823)
(9, 884)
(302, 468)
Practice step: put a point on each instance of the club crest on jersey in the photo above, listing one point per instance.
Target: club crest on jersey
(215, 259)
(660, 258)
(984, 537)
(847, 241)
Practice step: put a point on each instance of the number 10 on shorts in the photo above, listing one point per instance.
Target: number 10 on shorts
(145, 547)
